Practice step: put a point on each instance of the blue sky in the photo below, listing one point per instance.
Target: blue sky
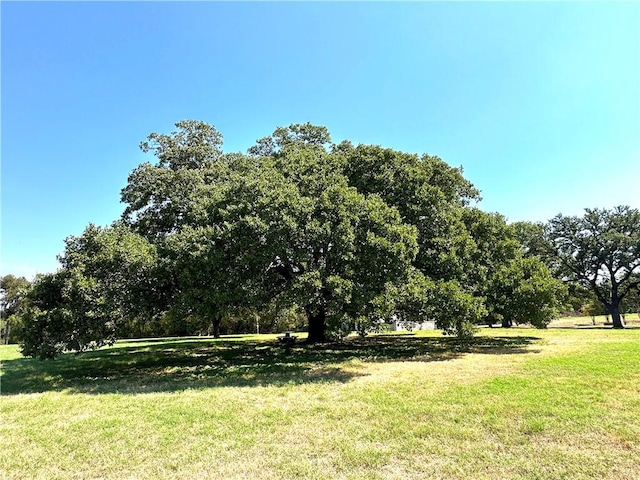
(539, 102)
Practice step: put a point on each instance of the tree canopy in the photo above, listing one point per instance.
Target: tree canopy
(350, 235)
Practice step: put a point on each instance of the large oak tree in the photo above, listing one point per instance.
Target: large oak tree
(281, 222)
(349, 234)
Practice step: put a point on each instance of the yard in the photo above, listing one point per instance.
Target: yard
(511, 403)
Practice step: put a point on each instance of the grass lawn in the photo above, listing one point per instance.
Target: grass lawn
(512, 403)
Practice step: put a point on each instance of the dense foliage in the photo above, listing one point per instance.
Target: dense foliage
(346, 236)
(13, 300)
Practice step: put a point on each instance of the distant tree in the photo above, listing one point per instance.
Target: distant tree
(576, 298)
(593, 308)
(600, 251)
(632, 301)
(516, 285)
(453, 309)
(523, 291)
(13, 297)
(534, 243)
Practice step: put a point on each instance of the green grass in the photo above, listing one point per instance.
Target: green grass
(518, 403)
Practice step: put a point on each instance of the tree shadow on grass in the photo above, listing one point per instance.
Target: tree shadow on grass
(164, 366)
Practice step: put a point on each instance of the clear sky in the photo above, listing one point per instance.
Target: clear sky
(538, 101)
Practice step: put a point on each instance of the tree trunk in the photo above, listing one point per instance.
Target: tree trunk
(317, 325)
(615, 317)
(614, 308)
(507, 322)
(215, 326)
(7, 330)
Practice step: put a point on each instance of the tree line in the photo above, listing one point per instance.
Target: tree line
(301, 232)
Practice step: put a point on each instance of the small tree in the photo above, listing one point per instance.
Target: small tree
(593, 308)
